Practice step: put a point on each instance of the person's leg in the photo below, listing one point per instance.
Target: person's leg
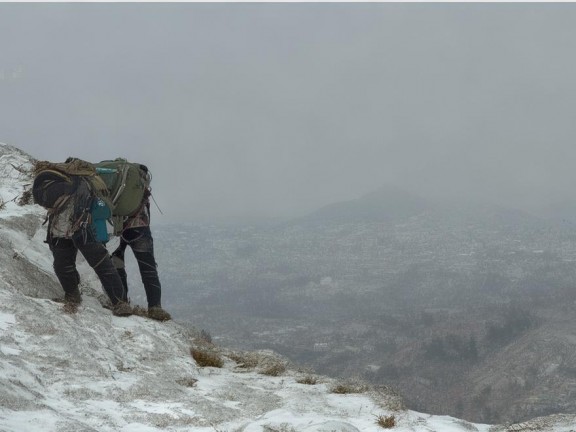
(64, 253)
(140, 240)
(119, 264)
(97, 257)
(142, 244)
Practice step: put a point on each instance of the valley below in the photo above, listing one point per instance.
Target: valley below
(465, 311)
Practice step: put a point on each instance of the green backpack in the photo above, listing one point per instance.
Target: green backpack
(128, 184)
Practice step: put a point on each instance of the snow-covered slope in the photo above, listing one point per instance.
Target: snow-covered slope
(92, 371)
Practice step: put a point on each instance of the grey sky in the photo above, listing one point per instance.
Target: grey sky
(277, 109)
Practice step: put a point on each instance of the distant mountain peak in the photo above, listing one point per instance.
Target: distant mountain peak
(388, 203)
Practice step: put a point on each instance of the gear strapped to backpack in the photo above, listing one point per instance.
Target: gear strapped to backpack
(56, 183)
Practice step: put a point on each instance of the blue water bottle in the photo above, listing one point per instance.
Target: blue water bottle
(100, 214)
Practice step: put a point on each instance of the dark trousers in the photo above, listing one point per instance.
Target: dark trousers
(65, 251)
(142, 244)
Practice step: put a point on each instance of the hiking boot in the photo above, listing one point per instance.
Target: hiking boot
(73, 298)
(158, 314)
(122, 309)
(140, 311)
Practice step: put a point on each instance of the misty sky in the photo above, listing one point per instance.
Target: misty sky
(278, 109)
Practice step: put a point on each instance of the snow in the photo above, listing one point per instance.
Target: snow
(6, 320)
(92, 371)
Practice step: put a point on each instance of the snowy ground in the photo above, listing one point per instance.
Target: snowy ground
(96, 372)
(92, 371)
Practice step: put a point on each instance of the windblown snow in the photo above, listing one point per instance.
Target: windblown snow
(94, 372)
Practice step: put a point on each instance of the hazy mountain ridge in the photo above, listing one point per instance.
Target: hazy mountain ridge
(391, 205)
(384, 205)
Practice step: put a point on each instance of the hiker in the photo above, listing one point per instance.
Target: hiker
(136, 233)
(68, 198)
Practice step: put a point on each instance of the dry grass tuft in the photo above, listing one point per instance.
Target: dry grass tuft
(349, 387)
(206, 358)
(275, 369)
(308, 380)
(265, 363)
(244, 360)
(25, 198)
(386, 422)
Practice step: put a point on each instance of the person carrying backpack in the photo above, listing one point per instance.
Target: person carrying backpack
(136, 233)
(65, 190)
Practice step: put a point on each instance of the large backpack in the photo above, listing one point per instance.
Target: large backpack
(55, 184)
(128, 185)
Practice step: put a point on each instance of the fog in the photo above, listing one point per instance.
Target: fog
(273, 110)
